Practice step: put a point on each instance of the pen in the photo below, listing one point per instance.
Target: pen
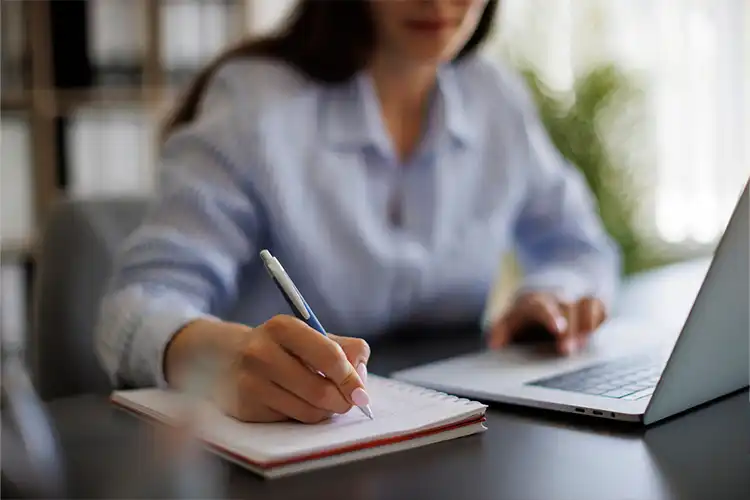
(297, 303)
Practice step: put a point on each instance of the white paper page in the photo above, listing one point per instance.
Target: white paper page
(398, 408)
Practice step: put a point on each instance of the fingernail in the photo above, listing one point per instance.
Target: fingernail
(362, 372)
(562, 324)
(360, 397)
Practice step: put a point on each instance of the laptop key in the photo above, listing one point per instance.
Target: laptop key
(576, 385)
(598, 371)
(598, 380)
(594, 391)
(614, 379)
(556, 384)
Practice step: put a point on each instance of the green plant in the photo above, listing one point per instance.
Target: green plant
(577, 123)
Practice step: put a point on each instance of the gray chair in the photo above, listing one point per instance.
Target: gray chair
(73, 266)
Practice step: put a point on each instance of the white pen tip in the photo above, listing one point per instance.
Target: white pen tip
(367, 411)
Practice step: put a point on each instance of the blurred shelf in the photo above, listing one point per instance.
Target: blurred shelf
(14, 99)
(17, 250)
(68, 101)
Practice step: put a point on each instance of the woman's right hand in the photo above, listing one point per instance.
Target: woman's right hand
(270, 372)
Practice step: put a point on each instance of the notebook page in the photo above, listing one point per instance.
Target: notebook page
(399, 408)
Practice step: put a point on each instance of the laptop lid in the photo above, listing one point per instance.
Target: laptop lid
(710, 358)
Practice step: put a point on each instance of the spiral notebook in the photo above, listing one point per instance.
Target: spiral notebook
(406, 416)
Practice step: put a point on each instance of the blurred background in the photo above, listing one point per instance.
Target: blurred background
(648, 98)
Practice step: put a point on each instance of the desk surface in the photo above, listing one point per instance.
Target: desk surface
(525, 454)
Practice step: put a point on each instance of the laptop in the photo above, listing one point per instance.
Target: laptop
(633, 370)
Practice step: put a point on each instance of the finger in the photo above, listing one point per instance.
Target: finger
(600, 312)
(530, 310)
(542, 309)
(567, 343)
(258, 413)
(290, 373)
(321, 354)
(500, 334)
(534, 309)
(587, 315)
(591, 315)
(357, 351)
(238, 401)
(278, 400)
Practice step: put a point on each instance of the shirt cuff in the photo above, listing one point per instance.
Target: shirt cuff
(156, 333)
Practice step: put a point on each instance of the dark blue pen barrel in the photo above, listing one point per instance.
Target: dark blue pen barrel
(312, 321)
(288, 300)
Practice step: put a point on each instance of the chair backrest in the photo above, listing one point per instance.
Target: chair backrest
(73, 266)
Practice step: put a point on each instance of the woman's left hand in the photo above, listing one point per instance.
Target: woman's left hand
(570, 324)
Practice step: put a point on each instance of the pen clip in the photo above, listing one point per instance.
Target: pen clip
(277, 272)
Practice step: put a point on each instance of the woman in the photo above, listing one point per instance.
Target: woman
(388, 168)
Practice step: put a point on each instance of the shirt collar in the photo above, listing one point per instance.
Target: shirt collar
(351, 114)
(456, 114)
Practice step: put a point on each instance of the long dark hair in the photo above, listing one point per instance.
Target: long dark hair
(328, 41)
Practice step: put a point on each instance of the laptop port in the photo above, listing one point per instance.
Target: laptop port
(597, 412)
(613, 415)
(580, 410)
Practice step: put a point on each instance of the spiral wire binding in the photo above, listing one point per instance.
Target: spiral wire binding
(405, 387)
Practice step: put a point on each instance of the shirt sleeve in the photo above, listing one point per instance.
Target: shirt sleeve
(182, 263)
(562, 245)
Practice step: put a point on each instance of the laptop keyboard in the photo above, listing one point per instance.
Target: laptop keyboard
(631, 379)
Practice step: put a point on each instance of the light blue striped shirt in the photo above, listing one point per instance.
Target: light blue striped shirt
(276, 161)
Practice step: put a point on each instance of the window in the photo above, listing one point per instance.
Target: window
(691, 59)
